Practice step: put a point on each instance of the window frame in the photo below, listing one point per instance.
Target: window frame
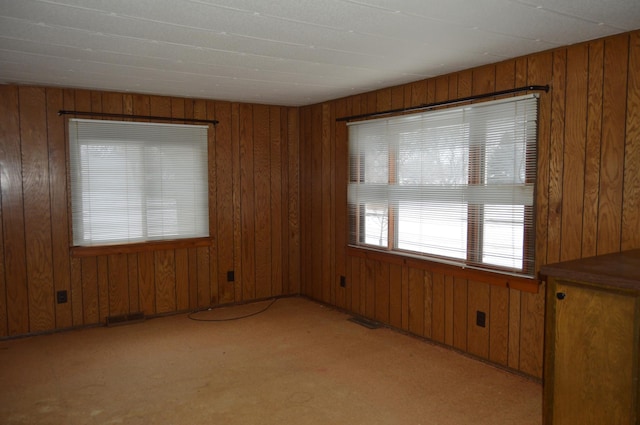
(146, 243)
(475, 215)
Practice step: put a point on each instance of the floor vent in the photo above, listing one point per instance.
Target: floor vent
(125, 319)
(365, 322)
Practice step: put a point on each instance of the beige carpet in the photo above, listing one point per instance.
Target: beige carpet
(296, 363)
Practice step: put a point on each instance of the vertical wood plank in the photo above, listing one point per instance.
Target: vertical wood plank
(514, 328)
(3, 283)
(262, 200)
(532, 333)
(499, 325)
(37, 208)
(405, 297)
(479, 300)
(247, 202)
(428, 304)
(75, 264)
(118, 284)
(613, 144)
(212, 152)
(575, 134)
(369, 282)
(204, 287)
(354, 284)
(438, 308)
(416, 301)
(165, 278)
(327, 265)
(505, 73)
(75, 275)
(193, 278)
(182, 279)
(460, 312)
(207, 286)
(293, 215)
(315, 183)
(483, 80)
(341, 181)
(56, 143)
(395, 295)
(592, 150)
(275, 194)
(448, 310)
(382, 291)
(539, 71)
(103, 288)
(134, 289)
(146, 282)
(90, 301)
(556, 157)
(237, 185)
(631, 183)
(224, 203)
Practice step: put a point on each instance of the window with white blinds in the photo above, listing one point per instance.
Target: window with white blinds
(454, 185)
(136, 182)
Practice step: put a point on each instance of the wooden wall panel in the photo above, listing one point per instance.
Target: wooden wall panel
(574, 152)
(3, 285)
(479, 300)
(15, 268)
(294, 231)
(58, 197)
(613, 144)
(37, 211)
(36, 235)
(165, 281)
(592, 150)
(275, 199)
(587, 197)
(224, 202)
(262, 197)
(631, 195)
(90, 301)
(118, 284)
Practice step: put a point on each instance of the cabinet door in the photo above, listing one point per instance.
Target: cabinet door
(594, 368)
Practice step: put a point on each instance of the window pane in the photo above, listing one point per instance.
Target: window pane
(503, 235)
(135, 182)
(433, 228)
(376, 221)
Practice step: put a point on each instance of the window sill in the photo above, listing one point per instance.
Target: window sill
(92, 251)
(520, 283)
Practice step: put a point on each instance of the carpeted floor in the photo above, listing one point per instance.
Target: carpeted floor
(298, 362)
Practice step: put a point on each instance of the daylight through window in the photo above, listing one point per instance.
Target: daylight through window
(454, 185)
(136, 182)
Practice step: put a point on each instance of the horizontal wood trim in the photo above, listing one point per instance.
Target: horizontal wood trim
(524, 284)
(92, 251)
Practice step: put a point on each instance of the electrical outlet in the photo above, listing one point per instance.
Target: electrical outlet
(231, 276)
(343, 282)
(61, 297)
(481, 319)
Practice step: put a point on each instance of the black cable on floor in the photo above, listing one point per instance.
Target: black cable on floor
(191, 315)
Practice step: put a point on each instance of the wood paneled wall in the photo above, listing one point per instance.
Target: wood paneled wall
(588, 199)
(254, 215)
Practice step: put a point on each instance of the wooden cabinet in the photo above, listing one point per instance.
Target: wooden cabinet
(592, 328)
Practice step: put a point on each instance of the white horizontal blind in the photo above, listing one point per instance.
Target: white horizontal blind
(455, 184)
(136, 182)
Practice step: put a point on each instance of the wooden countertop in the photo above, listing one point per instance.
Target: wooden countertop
(619, 270)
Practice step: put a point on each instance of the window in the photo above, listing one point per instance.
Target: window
(136, 182)
(454, 185)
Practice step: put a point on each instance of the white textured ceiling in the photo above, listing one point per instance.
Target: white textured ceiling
(284, 52)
